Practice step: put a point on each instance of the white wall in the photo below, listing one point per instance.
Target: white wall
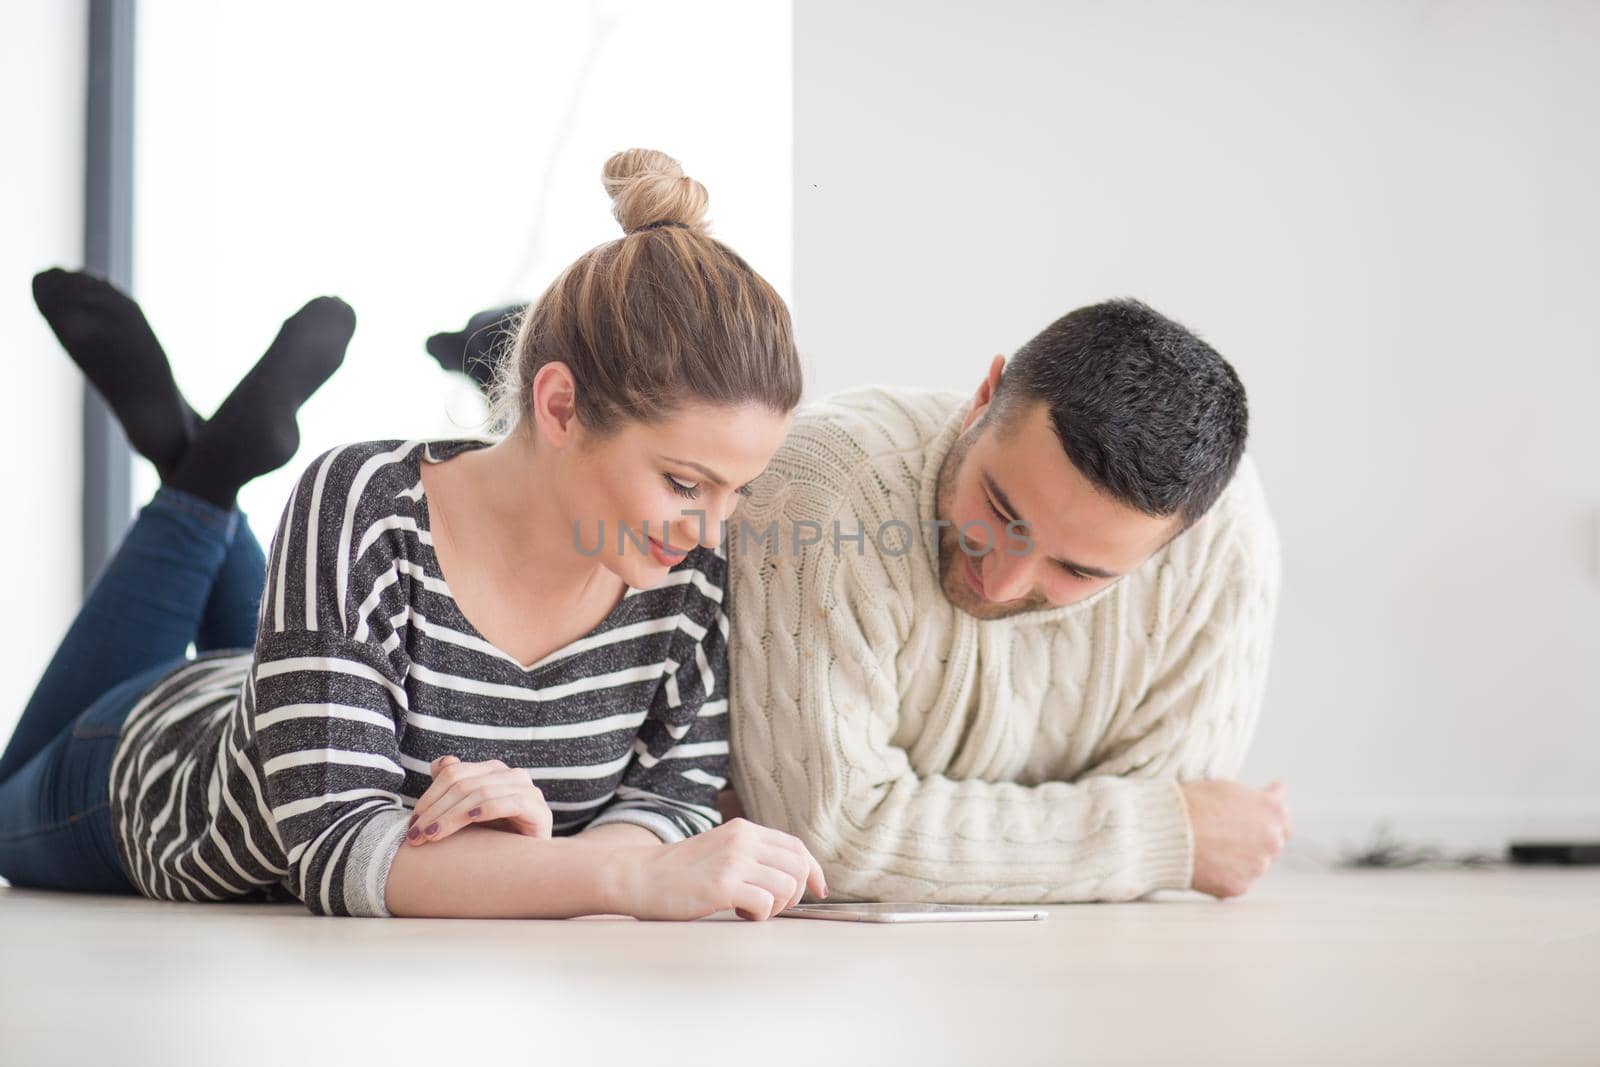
(42, 61)
(1385, 215)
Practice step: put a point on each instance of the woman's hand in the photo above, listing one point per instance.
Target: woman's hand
(752, 869)
(486, 794)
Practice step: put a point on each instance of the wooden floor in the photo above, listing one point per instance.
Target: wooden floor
(1458, 967)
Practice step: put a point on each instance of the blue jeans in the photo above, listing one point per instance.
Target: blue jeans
(186, 572)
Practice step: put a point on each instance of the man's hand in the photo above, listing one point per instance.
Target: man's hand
(1238, 831)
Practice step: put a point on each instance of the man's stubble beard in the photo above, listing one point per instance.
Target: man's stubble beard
(952, 560)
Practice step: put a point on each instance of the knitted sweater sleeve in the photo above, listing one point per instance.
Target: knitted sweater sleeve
(820, 748)
(1209, 624)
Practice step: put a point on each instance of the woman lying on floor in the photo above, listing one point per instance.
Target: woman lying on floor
(542, 735)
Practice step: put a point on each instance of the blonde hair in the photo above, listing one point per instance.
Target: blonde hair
(663, 315)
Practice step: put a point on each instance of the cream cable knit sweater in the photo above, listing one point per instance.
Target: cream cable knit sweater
(923, 754)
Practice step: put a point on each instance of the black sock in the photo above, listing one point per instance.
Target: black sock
(106, 335)
(254, 430)
(475, 350)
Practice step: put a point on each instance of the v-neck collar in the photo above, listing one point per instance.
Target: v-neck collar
(438, 452)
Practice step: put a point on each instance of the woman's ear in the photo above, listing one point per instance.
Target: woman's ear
(985, 394)
(555, 403)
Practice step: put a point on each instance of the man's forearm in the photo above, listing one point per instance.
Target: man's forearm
(1100, 838)
(482, 873)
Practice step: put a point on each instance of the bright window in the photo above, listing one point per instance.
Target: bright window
(423, 162)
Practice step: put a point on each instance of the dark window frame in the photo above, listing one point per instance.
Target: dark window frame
(107, 251)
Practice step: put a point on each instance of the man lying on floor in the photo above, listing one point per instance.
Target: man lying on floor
(1013, 648)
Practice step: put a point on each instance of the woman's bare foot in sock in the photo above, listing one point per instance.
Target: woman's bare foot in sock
(106, 334)
(254, 431)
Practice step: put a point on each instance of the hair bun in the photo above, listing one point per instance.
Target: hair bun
(648, 187)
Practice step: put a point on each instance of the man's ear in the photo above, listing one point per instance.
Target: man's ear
(555, 403)
(985, 394)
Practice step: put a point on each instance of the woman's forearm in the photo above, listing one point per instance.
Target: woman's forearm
(620, 833)
(480, 873)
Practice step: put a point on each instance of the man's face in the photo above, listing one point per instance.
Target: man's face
(1014, 470)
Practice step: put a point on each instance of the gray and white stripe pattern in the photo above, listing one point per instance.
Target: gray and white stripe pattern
(289, 771)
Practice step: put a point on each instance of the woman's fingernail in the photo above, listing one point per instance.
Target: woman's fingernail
(414, 833)
(433, 828)
(474, 813)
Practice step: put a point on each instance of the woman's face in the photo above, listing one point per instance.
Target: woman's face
(643, 495)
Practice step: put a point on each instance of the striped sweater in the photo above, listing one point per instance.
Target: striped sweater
(291, 769)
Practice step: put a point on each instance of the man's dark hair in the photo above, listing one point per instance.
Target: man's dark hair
(1146, 410)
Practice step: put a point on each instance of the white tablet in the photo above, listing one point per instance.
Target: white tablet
(889, 912)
